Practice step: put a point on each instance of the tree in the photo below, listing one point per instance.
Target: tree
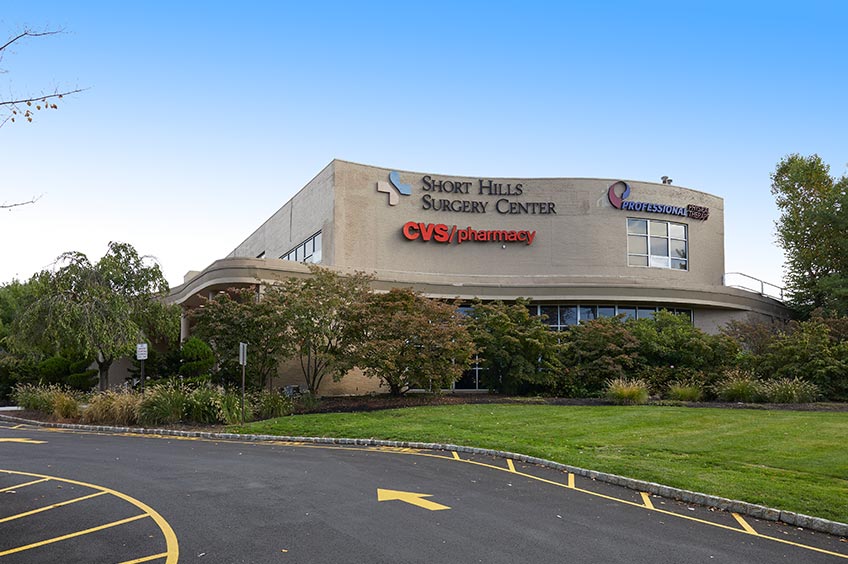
(238, 315)
(810, 353)
(811, 229)
(596, 351)
(413, 342)
(98, 310)
(324, 322)
(518, 351)
(673, 349)
(13, 296)
(24, 106)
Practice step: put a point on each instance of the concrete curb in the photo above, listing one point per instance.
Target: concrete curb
(743, 508)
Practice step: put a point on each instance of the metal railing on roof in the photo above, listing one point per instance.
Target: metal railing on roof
(752, 284)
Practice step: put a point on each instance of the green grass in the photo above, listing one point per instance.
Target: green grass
(791, 460)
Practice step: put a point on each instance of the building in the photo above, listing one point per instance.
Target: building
(578, 247)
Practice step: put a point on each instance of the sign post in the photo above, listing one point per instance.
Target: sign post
(141, 356)
(243, 362)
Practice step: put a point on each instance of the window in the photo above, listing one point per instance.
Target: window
(308, 251)
(574, 314)
(657, 244)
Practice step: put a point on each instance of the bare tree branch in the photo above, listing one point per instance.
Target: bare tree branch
(30, 33)
(42, 98)
(7, 206)
(23, 107)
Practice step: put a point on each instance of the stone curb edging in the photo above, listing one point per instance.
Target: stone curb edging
(743, 508)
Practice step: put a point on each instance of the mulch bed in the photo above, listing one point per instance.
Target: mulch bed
(349, 404)
(345, 404)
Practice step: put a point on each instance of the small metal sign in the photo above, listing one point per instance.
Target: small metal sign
(243, 354)
(141, 351)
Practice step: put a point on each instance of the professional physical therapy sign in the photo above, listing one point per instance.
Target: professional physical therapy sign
(619, 192)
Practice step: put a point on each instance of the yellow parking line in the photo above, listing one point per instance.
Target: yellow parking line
(571, 480)
(748, 528)
(646, 499)
(48, 507)
(663, 511)
(510, 465)
(456, 455)
(146, 558)
(72, 535)
(10, 488)
(172, 546)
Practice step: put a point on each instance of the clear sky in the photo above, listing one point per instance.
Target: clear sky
(203, 118)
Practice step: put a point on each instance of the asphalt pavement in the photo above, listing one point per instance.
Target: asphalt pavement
(72, 496)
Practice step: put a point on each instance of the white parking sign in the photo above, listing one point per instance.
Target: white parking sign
(141, 351)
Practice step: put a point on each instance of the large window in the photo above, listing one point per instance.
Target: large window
(560, 317)
(657, 244)
(308, 251)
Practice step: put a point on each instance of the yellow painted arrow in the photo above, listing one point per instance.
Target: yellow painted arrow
(411, 498)
(27, 441)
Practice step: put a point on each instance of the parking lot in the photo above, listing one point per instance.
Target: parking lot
(82, 496)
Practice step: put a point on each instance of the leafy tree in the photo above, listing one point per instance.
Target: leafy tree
(811, 229)
(413, 342)
(671, 340)
(808, 353)
(322, 311)
(595, 352)
(98, 310)
(13, 298)
(755, 335)
(518, 351)
(236, 316)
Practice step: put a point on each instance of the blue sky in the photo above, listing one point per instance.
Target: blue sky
(202, 118)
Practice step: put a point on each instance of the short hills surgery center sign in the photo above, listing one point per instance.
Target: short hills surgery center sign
(467, 197)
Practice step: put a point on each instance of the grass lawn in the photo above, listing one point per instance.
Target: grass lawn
(791, 460)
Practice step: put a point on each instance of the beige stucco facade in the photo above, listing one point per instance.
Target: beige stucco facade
(565, 241)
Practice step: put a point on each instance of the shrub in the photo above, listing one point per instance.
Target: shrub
(65, 405)
(53, 369)
(661, 378)
(197, 358)
(685, 390)
(35, 398)
(49, 400)
(113, 407)
(125, 407)
(669, 340)
(786, 390)
(625, 391)
(740, 386)
(203, 405)
(82, 381)
(79, 366)
(163, 404)
(307, 402)
(99, 408)
(595, 352)
(272, 404)
(231, 408)
(809, 353)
